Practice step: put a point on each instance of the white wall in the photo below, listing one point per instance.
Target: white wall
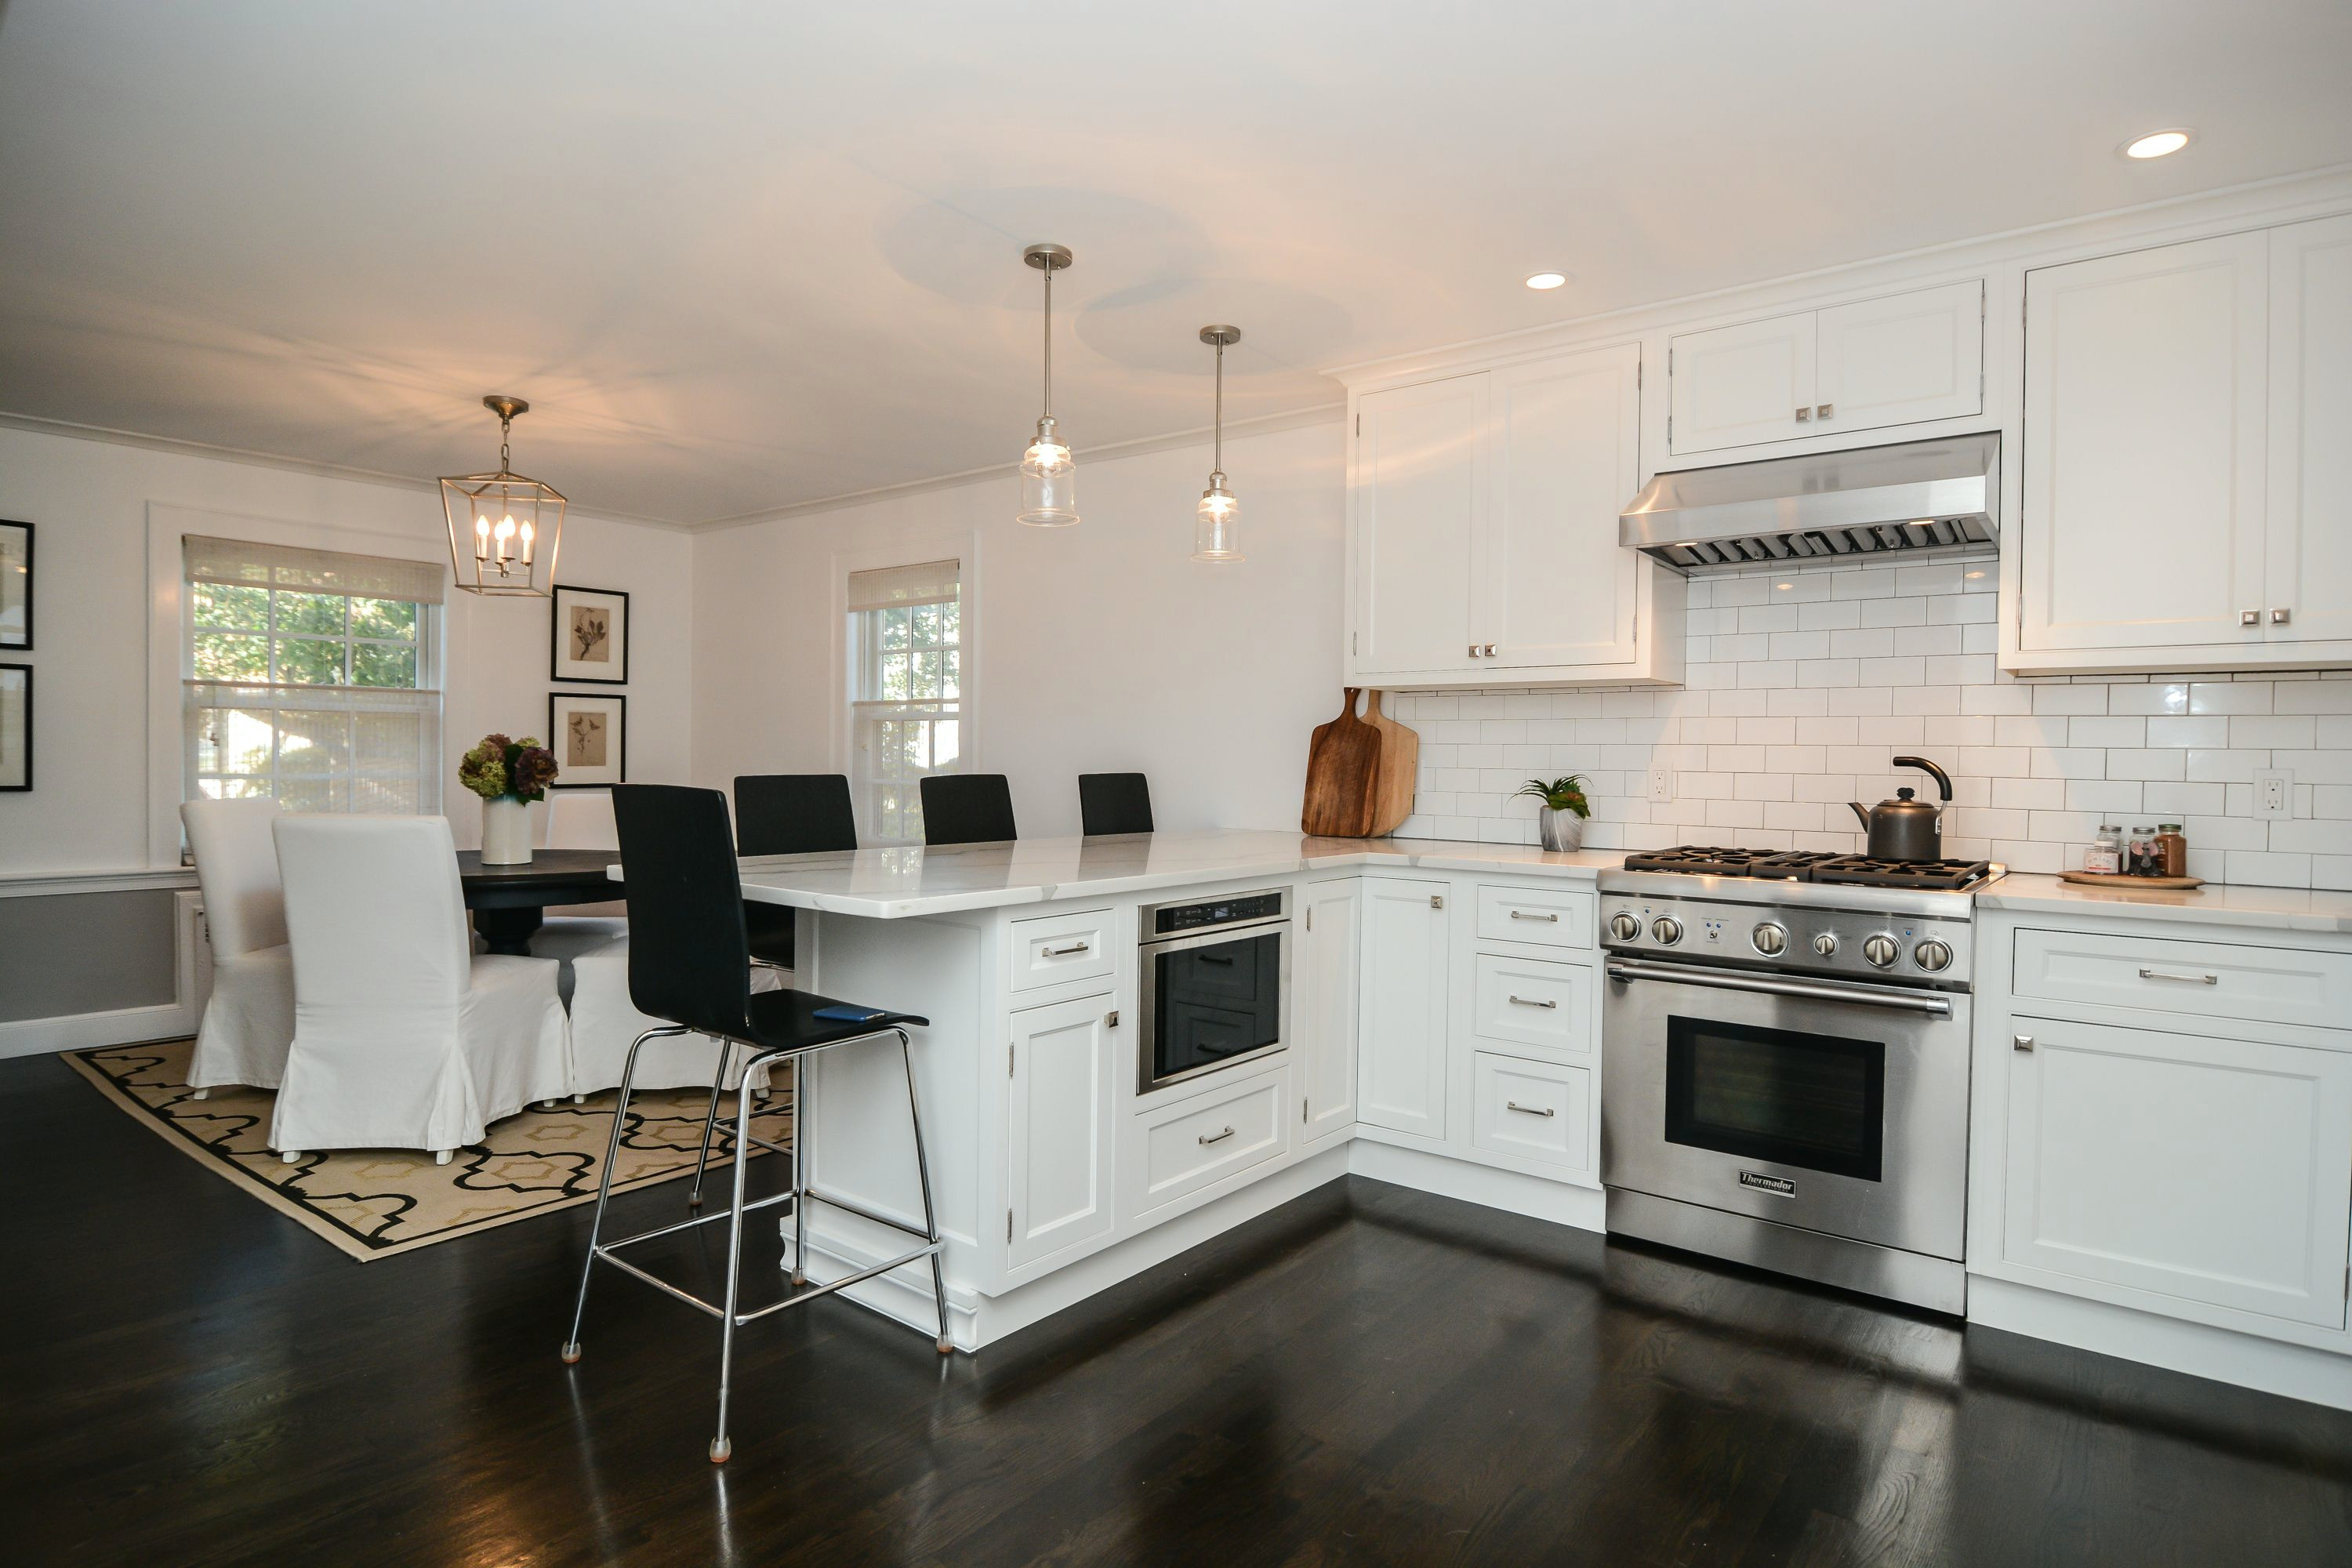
(1099, 648)
(89, 809)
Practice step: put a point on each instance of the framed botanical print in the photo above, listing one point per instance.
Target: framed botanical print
(591, 635)
(15, 584)
(16, 726)
(589, 732)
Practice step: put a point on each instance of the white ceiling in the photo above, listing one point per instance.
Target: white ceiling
(744, 256)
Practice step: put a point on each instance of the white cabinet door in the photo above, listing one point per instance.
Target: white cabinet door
(1901, 359)
(2144, 448)
(2309, 562)
(1736, 386)
(1566, 437)
(2210, 1170)
(1323, 1005)
(1059, 1142)
(1419, 481)
(1400, 1065)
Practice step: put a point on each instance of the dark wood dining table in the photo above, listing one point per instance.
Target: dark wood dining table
(509, 901)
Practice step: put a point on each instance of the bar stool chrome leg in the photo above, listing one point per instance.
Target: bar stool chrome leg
(605, 1181)
(746, 1104)
(923, 1178)
(709, 1121)
(804, 1166)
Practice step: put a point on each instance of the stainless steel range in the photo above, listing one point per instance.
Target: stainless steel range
(1786, 1078)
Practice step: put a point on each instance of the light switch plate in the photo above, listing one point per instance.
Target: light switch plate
(1662, 782)
(2273, 793)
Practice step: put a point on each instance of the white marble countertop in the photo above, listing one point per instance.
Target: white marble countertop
(2275, 909)
(897, 883)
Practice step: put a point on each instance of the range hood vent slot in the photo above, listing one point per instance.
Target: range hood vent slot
(1919, 495)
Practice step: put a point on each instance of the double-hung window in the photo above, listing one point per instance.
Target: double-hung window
(312, 676)
(907, 718)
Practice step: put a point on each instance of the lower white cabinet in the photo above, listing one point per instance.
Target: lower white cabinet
(1196, 1143)
(1326, 934)
(1059, 1134)
(1531, 1110)
(1400, 1037)
(2214, 1170)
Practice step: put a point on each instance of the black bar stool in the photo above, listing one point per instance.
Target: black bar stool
(788, 813)
(689, 965)
(967, 808)
(1114, 803)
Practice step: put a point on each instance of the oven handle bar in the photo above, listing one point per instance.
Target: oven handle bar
(1929, 1003)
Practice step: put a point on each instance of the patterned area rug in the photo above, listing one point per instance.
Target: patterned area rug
(374, 1203)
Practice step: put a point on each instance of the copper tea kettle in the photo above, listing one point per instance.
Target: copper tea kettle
(1903, 828)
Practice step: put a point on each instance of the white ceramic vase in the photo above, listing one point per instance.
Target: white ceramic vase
(506, 831)
(1562, 830)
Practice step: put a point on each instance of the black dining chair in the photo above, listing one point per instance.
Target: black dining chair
(1114, 803)
(788, 813)
(690, 967)
(967, 808)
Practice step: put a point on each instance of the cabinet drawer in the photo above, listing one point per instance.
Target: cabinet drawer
(2276, 985)
(1536, 1110)
(1554, 917)
(1533, 1002)
(1052, 949)
(1189, 1145)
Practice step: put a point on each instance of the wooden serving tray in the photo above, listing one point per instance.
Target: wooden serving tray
(2118, 880)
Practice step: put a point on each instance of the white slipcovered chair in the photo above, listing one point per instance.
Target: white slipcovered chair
(249, 1020)
(403, 1038)
(579, 819)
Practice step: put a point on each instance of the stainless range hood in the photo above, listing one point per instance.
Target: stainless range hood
(1918, 494)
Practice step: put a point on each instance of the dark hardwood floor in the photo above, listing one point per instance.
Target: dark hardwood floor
(1366, 1375)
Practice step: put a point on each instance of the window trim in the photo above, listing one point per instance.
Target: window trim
(964, 548)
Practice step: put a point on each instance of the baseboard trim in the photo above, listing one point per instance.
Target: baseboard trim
(1488, 1186)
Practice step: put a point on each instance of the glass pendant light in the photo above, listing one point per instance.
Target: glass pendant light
(1217, 521)
(1049, 495)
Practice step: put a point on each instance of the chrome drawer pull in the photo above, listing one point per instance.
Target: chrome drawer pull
(1531, 1002)
(2188, 979)
(1066, 952)
(2021, 1042)
(1530, 1110)
(1217, 1137)
(1523, 915)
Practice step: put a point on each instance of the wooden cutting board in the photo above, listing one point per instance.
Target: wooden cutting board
(1343, 762)
(1399, 766)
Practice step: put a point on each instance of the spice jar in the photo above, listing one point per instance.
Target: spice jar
(2171, 850)
(2106, 855)
(2142, 861)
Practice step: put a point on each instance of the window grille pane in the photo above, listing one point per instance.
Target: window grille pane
(232, 655)
(389, 618)
(309, 661)
(321, 612)
(221, 605)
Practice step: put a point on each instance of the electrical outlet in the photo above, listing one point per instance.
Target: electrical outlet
(2273, 793)
(1662, 782)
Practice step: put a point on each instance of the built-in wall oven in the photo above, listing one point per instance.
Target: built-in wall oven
(1215, 981)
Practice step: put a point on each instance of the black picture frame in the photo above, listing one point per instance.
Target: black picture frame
(563, 779)
(556, 620)
(26, 671)
(11, 642)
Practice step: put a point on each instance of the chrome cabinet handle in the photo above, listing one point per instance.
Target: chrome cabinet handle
(1531, 1002)
(2249, 617)
(1824, 411)
(1474, 651)
(1804, 415)
(1523, 915)
(1934, 1006)
(2185, 979)
(2021, 1042)
(1064, 951)
(1490, 646)
(1530, 1110)
(2278, 618)
(1217, 1137)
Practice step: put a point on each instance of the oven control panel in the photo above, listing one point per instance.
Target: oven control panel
(1854, 945)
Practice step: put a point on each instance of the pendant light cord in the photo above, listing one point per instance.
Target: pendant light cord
(1048, 410)
(506, 433)
(1217, 439)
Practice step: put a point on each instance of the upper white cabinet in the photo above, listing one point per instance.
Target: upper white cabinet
(1484, 531)
(1901, 359)
(2184, 500)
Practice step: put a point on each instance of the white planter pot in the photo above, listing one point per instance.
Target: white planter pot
(1561, 830)
(506, 832)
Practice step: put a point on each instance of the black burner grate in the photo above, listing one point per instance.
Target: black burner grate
(1812, 866)
(1861, 871)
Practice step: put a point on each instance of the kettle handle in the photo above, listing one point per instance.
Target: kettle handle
(1863, 812)
(1943, 780)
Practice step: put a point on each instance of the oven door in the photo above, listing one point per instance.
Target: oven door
(1212, 999)
(1833, 1107)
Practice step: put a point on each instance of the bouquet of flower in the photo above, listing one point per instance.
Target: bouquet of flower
(520, 769)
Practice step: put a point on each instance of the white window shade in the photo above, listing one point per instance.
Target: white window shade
(925, 583)
(316, 748)
(241, 562)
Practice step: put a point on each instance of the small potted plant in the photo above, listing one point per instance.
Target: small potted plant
(1560, 823)
(509, 776)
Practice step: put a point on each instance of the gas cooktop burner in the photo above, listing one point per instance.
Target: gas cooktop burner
(1812, 866)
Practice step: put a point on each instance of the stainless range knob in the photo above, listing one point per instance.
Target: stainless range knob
(1667, 930)
(1770, 939)
(1880, 949)
(1825, 944)
(1932, 955)
(1625, 926)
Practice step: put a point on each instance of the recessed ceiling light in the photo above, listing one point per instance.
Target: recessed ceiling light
(2156, 143)
(1545, 279)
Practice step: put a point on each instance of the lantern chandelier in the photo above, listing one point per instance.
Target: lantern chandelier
(1049, 496)
(1217, 521)
(504, 529)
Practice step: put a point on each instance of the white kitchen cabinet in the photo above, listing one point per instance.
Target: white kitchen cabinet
(2205, 1170)
(1058, 1133)
(1323, 1011)
(2307, 564)
(1401, 1028)
(1483, 528)
(1900, 360)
